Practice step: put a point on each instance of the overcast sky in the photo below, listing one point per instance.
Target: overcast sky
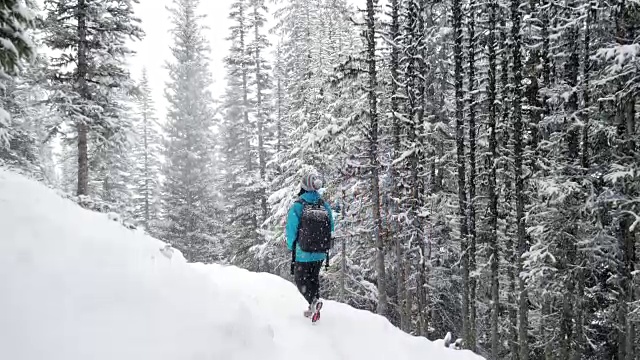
(153, 51)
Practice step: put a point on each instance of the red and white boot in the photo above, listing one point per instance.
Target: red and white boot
(315, 307)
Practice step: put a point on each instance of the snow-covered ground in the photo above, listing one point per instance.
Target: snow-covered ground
(76, 285)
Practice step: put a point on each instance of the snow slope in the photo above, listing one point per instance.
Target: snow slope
(75, 285)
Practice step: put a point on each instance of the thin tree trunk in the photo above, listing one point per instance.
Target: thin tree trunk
(146, 165)
(373, 157)
(546, 313)
(343, 272)
(546, 331)
(422, 299)
(245, 108)
(462, 194)
(566, 323)
(82, 126)
(395, 108)
(523, 302)
(580, 342)
(512, 296)
(409, 297)
(472, 179)
(572, 67)
(579, 314)
(628, 238)
(493, 195)
(418, 158)
(625, 125)
(509, 245)
(279, 119)
(259, 116)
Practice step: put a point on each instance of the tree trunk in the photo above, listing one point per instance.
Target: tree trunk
(494, 254)
(395, 108)
(472, 179)
(279, 119)
(262, 162)
(82, 126)
(409, 297)
(373, 157)
(504, 140)
(343, 272)
(462, 194)
(523, 302)
(627, 239)
(245, 110)
(580, 337)
(146, 166)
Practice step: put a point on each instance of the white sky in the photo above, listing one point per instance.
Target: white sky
(153, 51)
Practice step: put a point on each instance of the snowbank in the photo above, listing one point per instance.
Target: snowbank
(75, 285)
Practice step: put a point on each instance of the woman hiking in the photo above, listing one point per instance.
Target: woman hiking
(309, 229)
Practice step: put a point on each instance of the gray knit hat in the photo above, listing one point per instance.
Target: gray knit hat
(311, 182)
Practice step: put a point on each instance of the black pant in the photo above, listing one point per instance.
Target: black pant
(307, 277)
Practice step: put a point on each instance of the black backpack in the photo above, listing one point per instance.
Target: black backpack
(314, 229)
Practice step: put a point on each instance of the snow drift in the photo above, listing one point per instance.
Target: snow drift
(75, 285)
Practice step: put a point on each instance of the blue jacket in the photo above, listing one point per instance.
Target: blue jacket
(293, 219)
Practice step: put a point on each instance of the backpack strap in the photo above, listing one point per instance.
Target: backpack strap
(293, 256)
(326, 265)
(305, 202)
(295, 241)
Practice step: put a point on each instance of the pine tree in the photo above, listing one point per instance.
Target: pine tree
(471, 203)
(90, 34)
(523, 300)
(460, 151)
(492, 187)
(261, 68)
(16, 19)
(395, 38)
(373, 156)
(242, 178)
(187, 193)
(23, 142)
(146, 152)
(111, 161)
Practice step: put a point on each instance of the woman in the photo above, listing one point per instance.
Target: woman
(309, 226)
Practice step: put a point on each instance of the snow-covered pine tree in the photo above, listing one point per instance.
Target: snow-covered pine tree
(492, 187)
(89, 36)
(518, 149)
(187, 195)
(461, 164)
(413, 70)
(146, 153)
(23, 96)
(242, 177)
(394, 39)
(262, 83)
(16, 20)
(374, 162)
(619, 79)
(111, 163)
(472, 177)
